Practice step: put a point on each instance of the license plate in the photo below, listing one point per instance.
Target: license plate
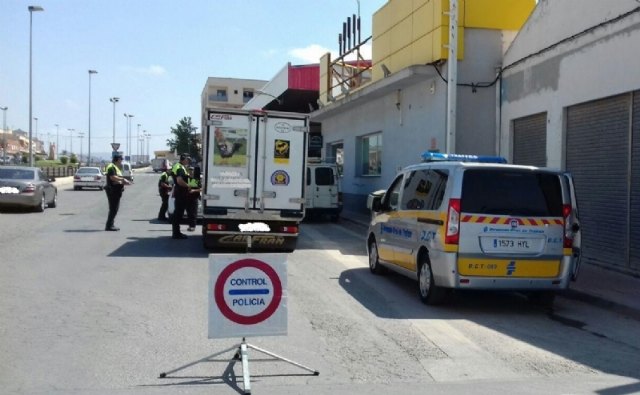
(511, 244)
(86, 178)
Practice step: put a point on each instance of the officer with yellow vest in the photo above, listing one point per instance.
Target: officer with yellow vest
(193, 197)
(164, 189)
(114, 188)
(180, 193)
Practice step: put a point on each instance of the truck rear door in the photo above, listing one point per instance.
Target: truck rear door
(279, 167)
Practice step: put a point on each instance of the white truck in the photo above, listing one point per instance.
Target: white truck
(254, 179)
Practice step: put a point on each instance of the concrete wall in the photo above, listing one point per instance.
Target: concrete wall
(601, 62)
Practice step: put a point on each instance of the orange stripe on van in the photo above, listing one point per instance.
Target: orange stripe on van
(482, 219)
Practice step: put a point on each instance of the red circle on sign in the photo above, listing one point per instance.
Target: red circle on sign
(218, 292)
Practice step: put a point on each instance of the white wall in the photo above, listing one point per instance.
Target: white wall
(600, 63)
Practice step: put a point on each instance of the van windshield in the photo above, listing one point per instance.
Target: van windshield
(511, 192)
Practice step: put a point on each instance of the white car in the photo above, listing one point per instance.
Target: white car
(89, 177)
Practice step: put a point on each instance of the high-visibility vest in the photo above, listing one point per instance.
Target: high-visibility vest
(193, 182)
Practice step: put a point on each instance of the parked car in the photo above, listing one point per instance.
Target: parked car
(89, 177)
(27, 187)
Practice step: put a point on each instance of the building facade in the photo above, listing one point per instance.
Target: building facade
(227, 93)
(386, 124)
(571, 100)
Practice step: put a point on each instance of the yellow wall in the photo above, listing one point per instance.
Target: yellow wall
(409, 32)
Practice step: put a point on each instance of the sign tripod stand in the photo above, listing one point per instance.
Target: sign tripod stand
(242, 353)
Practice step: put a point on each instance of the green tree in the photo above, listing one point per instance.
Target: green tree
(185, 140)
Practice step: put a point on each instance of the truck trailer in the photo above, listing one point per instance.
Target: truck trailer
(254, 179)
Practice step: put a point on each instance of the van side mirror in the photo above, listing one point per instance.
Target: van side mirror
(374, 200)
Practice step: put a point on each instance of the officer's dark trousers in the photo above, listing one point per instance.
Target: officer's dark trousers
(178, 213)
(113, 196)
(162, 214)
(192, 211)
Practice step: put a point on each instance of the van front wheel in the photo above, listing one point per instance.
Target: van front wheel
(374, 260)
(429, 292)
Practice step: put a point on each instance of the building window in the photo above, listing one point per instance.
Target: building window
(370, 155)
(220, 95)
(247, 95)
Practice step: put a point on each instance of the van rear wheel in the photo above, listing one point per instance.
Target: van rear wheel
(429, 292)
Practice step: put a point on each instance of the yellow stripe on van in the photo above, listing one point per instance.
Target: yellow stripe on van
(508, 267)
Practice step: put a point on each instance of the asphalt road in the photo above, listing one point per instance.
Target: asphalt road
(83, 311)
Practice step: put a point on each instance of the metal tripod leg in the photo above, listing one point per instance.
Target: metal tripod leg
(205, 359)
(308, 369)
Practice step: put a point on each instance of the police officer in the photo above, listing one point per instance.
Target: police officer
(193, 197)
(180, 191)
(114, 187)
(164, 189)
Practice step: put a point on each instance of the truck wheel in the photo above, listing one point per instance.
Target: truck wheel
(430, 293)
(374, 260)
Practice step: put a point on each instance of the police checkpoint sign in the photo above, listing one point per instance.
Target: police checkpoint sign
(247, 295)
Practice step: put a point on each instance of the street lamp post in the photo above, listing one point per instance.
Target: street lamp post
(81, 135)
(128, 137)
(114, 100)
(138, 143)
(148, 136)
(4, 134)
(71, 141)
(32, 9)
(89, 137)
(57, 140)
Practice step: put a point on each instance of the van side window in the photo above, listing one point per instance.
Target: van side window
(424, 189)
(392, 196)
(324, 176)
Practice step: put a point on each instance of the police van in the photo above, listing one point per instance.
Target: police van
(475, 222)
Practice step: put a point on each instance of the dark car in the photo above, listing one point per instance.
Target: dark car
(27, 187)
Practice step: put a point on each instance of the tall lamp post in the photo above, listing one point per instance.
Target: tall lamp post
(32, 9)
(4, 134)
(128, 117)
(81, 135)
(57, 140)
(71, 141)
(114, 100)
(89, 137)
(148, 136)
(138, 143)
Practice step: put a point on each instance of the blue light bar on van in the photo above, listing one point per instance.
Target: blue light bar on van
(440, 157)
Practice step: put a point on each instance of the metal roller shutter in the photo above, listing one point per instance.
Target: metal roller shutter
(634, 248)
(530, 140)
(597, 155)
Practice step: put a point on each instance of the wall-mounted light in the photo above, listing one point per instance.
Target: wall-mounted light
(385, 70)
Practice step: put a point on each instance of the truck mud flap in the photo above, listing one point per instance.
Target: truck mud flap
(260, 242)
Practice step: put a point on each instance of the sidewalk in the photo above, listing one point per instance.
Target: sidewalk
(602, 287)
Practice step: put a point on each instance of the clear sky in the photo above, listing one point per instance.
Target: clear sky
(155, 55)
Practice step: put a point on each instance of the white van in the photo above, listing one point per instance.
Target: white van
(127, 171)
(322, 193)
(456, 223)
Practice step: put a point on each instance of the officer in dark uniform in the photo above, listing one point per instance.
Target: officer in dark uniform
(180, 191)
(164, 189)
(114, 187)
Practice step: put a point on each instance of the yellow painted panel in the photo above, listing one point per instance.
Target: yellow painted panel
(508, 268)
(498, 14)
(422, 50)
(382, 20)
(422, 20)
(385, 254)
(407, 261)
(441, 39)
(401, 34)
(401, 59)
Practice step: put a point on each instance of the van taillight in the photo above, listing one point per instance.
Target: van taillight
(289, 229)
(453, 222)
(567, 240)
